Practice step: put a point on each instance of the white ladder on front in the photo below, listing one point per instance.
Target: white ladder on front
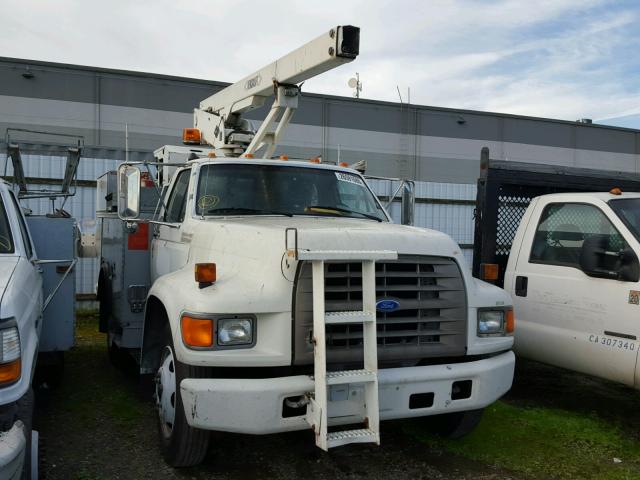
(317, 415)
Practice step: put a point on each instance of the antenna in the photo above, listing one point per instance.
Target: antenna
(355, 82)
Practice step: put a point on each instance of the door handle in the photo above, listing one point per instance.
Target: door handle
(521, 286)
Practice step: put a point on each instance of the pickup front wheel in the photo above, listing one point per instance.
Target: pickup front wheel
(181, 444)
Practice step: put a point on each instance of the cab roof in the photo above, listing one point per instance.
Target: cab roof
(604, 196)
(276, 162)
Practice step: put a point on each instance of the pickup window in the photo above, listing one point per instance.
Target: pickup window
(230, 189)
(6, 240)
(628, 209)
(564, 227)
(178, 199)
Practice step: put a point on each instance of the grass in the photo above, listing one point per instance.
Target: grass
(545, 443)
(104, 416)
(102, 391)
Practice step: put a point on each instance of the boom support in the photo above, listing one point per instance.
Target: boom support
(219, 117)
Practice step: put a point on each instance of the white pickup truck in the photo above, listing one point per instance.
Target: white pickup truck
(574, 277)
(37, 301)
(569, 260)
(20, 326)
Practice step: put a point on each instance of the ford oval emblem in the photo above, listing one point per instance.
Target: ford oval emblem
(387, 305)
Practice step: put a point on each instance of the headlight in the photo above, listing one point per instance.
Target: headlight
(490, 322)
(10, 363)
(496, 322)
(10, 344)
(235, 331)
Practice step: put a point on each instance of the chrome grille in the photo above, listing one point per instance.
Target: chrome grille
(431, 319)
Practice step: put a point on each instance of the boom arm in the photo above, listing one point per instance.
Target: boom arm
(219, 117)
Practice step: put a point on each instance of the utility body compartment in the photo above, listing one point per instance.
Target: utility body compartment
(55, 238)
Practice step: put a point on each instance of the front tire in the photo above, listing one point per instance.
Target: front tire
(181, 444)
(454, 425)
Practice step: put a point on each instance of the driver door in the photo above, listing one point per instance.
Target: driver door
(565, 317)
(169, 251)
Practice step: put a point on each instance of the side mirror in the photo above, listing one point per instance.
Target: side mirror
(128, 192)
(597, 261)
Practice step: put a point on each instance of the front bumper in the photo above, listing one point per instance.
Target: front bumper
(13, 445)
(255, 406)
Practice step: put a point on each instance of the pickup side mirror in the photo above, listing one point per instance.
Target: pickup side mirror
(597, 261)
(128, 192)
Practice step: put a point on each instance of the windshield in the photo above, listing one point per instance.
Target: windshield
(628, 209)
(233, 189)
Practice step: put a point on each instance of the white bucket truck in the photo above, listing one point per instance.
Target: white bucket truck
(269, 295)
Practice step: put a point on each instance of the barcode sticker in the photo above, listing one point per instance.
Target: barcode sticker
(349, 177)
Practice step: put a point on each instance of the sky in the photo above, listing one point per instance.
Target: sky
(565, 59)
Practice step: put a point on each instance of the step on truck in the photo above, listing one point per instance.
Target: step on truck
(269, 295)
(37, 299)
(565, 243)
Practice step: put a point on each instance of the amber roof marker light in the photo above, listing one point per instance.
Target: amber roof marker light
(191, 136)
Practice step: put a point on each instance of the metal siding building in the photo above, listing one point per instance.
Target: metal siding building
(410, 141)
(438, 147)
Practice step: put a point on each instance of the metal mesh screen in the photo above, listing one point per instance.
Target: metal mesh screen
(511, 208)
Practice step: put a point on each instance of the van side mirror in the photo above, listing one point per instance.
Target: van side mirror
(597, 261)
(128, 192)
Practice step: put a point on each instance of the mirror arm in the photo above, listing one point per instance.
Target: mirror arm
(154, 222)
(157, 187)
(166, 224)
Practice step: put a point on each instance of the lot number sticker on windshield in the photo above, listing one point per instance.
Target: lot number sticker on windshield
(349, 177)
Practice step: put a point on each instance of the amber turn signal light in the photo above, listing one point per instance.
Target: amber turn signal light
(197, 332)
(10, 372)
(191, 136)
(510, 325)
(489, 271)
(205, 273)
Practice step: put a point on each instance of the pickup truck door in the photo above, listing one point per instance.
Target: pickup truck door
(169, 249)
(565, 317)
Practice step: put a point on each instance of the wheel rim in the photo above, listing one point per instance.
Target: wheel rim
(166, 391)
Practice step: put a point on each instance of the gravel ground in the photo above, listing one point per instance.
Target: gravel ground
(100, 424)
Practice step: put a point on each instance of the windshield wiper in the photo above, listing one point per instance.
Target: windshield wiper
(245, 211)
(343, 210)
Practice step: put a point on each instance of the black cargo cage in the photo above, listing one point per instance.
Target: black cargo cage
(505, 189)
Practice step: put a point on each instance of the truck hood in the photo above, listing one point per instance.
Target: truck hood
(257, 244)
(334, 233)
(249, 250)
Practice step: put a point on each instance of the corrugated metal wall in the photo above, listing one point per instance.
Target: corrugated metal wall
(447, 207)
